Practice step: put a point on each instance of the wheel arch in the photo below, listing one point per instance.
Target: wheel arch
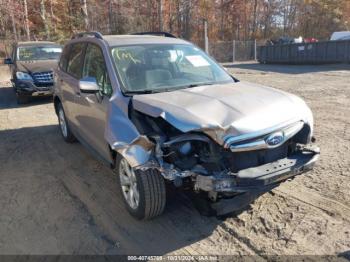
(56, 102)
(113, 156)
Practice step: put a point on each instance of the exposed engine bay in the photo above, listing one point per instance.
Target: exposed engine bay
(195, 161)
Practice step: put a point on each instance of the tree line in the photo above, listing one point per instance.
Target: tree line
(58, 20)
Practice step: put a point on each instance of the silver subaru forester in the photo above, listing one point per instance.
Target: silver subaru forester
(160, 111)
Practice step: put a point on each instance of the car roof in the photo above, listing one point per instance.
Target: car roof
(34, 43)
(120, 40)
(339, 35)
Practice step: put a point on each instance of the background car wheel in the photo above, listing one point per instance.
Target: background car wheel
(21, 99)
(143, 192)
(64, 127)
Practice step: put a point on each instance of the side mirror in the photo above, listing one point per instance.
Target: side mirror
(88, 85)
(8, 61)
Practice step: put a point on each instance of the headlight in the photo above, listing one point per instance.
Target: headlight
(185, 148)
(23, 76)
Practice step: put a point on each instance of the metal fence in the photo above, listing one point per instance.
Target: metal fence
(306, 53)
(231, 51)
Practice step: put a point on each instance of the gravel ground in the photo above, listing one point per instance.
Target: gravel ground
(56, 198)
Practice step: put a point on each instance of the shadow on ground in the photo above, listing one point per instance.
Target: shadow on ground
(289, 69)
(37, 165)
(8, 99)
(56, 198)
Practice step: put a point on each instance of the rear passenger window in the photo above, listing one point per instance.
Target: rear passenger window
(75, 60)
(64, 58)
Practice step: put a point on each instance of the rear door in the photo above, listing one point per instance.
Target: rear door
(70, 74)
(91, 109)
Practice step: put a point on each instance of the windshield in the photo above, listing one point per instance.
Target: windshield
(47, 52)
(165, 67)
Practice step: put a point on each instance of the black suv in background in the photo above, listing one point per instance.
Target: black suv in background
(32, 65)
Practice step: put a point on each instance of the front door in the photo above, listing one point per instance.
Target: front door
(91, 109)
(70, 73)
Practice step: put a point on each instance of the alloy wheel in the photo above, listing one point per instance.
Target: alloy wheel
(62, 122)
(128, 183)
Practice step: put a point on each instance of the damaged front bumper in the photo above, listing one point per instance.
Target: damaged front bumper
(261, 178)
(251, 183)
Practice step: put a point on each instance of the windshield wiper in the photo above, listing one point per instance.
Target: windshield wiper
(140, 92)
(199, 84)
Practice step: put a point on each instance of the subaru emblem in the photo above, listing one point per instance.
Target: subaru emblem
(275, 139)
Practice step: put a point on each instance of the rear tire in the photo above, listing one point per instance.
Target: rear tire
(149, 191)
(64, 127)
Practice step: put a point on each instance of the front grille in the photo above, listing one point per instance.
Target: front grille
(44, 86)
(43, 77)
(252, 142)
(294, 134)
(242, 160)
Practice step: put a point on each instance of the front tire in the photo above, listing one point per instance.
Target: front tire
(143, 192)
(64, 127)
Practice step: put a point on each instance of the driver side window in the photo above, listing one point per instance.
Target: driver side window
(94, 66)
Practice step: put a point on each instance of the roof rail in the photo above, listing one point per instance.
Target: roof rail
(165, 34)
(83, 34)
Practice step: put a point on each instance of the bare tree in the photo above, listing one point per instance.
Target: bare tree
(43, 18)
(149, 11)
(254, 18)
(110, 16)
(187, 19)
(160, 15)
(52, 17)
(26, 20)
(13, 21)
(222, 10)
(84, 9)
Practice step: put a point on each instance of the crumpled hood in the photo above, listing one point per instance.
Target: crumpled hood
(235, 109)
(34, 66)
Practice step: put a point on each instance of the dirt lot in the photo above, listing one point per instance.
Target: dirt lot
(56, 198)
